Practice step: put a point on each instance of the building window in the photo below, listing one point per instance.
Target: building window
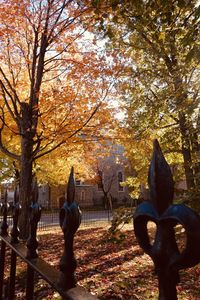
(82, 196)
(120, 180)
(100, 180)
(100, 186)
(78, 182)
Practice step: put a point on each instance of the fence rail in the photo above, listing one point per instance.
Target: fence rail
(47, 272)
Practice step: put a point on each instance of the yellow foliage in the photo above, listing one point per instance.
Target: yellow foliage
(63, 81)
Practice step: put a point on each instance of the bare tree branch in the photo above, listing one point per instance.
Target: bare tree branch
(16, 98)
(4, 92)
(2, 147)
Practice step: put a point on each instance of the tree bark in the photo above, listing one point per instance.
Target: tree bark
(26, 170)
(183, 124)
(196, 156)
(25, 187)
(186, 151)
(181, 95)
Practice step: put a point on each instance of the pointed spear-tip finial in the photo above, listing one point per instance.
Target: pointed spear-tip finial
(16, 194)
(4, 208)
(6, 195)
(160, 180)
(71, 187)
(34, 192)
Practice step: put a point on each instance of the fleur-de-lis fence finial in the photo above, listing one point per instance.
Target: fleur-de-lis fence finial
(167, 258)
(70, 219)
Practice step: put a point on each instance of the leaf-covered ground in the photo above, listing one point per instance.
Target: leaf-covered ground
(110, 268)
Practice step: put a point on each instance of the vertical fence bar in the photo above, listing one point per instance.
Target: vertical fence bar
(70, 219)
(12, 276)
(2, 265)
(30, 283)
(14, 240)
(4, 231)
(32, 243)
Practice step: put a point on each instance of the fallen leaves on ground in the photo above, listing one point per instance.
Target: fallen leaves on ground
(112, 269)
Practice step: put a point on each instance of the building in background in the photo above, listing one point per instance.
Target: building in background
(106, 189)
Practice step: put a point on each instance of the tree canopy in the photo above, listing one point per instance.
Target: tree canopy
(53, 81)
(159, 43)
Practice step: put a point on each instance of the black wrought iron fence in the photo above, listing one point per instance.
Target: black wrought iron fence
(62, 281)
(100, 217)
(50, 219)
(167, 257)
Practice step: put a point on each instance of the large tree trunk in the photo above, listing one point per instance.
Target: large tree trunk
(25, 170)
(181, 95)
(25, 187)
(183, 124)
(196, 157)
(186, 151)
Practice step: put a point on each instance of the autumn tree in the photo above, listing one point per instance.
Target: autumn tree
(52, 83)
(105, 177)
(107, 168)
(159, 41)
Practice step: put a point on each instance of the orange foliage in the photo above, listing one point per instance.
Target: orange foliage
(49, 62)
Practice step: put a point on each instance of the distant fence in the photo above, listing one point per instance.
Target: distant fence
(50, 219)
(90, 218)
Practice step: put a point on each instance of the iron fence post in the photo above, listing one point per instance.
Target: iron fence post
(32, 243)
(167, 258)
(70, 219)
(4, 232)
(14, 240)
